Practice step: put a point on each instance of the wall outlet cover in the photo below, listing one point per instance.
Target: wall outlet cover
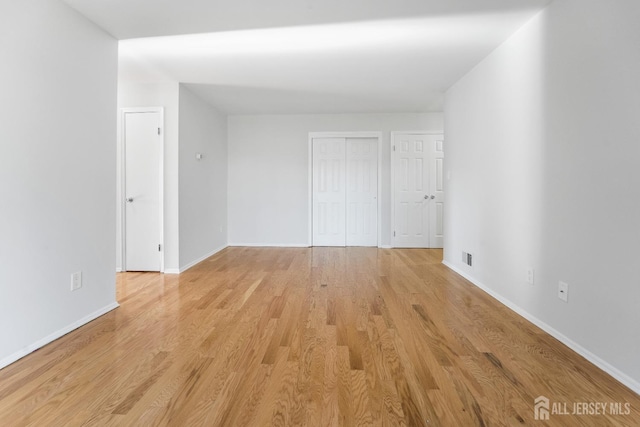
(563, 291)
(76, 280)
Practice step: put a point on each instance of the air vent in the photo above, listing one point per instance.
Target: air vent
(467, 258)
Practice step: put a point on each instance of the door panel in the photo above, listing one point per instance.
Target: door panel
(345, 191)
(362, 191)
(142, 145)
(436, 205)
(411, 181)
(418, 161)
(329, 192)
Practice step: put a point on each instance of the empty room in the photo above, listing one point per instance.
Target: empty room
(287, 213)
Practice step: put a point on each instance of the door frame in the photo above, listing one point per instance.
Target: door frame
(362, 134)
(123, 182)
(394, 135)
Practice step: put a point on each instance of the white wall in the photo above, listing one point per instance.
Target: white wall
(268, 171)
(133, 95)
(57, 168)
(543, 150)
(203, 183)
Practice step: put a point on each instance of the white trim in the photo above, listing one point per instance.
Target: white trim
(270, 245)
(171, 271)
(54, 336)
(380, 189)
(417, 132)
(123, 112)
(310, 192)
(385, 247)
(392, 144)
(597, 361)
(358, 134)
(118, 270)
(202, 258)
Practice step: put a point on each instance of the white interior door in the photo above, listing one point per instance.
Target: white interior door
(329, 192)
(344, 191)
(142, 190)
(436, 195)
(362, 191)
(418, 205)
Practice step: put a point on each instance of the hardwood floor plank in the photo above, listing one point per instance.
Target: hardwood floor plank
(330, 405)
(344, 387)
(306, 336)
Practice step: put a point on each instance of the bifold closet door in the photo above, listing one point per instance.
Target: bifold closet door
(329, 192)
(362, 191)
(345, 191)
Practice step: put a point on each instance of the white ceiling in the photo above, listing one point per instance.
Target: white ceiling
(308, 56)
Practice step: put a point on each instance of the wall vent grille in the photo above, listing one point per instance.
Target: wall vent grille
(467, 258)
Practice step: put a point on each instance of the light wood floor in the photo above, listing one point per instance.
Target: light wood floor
(322, 336)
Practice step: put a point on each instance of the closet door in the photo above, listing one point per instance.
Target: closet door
(436, 204)
(329, 192)
(418, 198)
(362, 192)
(411, 158)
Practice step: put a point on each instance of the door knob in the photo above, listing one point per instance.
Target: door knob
(426, 197)
(130, 199)
(433, 197)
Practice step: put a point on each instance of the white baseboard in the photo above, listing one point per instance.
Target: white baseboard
(600, 363)
(199, 260)
(270, 245)
(118, 270)
(285, 245)
(171, 271)
(54, 336)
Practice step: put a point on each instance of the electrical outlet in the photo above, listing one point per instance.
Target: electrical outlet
(530, 276)
(563, 291)
(76, 280)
